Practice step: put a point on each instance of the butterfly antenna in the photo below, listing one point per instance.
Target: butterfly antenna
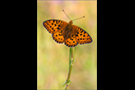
(79, 18)
(66, 14)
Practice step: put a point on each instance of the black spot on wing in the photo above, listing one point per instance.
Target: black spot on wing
(76, 35)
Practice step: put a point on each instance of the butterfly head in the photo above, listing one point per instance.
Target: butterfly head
(70, 22)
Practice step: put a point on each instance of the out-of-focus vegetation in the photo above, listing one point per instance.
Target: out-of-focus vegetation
(53, 58)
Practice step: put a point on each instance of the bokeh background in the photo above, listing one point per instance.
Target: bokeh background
(53, 58)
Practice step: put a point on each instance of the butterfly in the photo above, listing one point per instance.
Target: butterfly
(67, 33)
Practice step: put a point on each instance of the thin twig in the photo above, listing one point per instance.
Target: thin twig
(71, 61)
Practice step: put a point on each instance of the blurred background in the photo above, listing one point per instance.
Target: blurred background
(53, 58)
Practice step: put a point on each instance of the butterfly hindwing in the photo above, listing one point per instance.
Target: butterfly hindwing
(54, 25)
(82, 36)
(58, 37)
(71, 42)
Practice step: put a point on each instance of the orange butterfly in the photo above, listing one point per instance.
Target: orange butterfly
(63, 32)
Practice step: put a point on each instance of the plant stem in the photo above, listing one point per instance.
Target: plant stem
(71, 61)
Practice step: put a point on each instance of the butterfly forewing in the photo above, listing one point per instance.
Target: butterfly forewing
(56, 28)
(82, 36)
(54, 25)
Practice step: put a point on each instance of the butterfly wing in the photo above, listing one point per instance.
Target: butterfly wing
(58, 37)
(56, 28)
(71, 41)
(77, 36)
(53, 25)
(81, 35)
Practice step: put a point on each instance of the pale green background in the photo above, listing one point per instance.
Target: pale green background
(53, 58)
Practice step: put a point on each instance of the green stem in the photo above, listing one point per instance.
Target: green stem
(71, 61)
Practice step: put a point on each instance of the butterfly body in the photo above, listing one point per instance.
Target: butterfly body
(68, 30)
(63, 32)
